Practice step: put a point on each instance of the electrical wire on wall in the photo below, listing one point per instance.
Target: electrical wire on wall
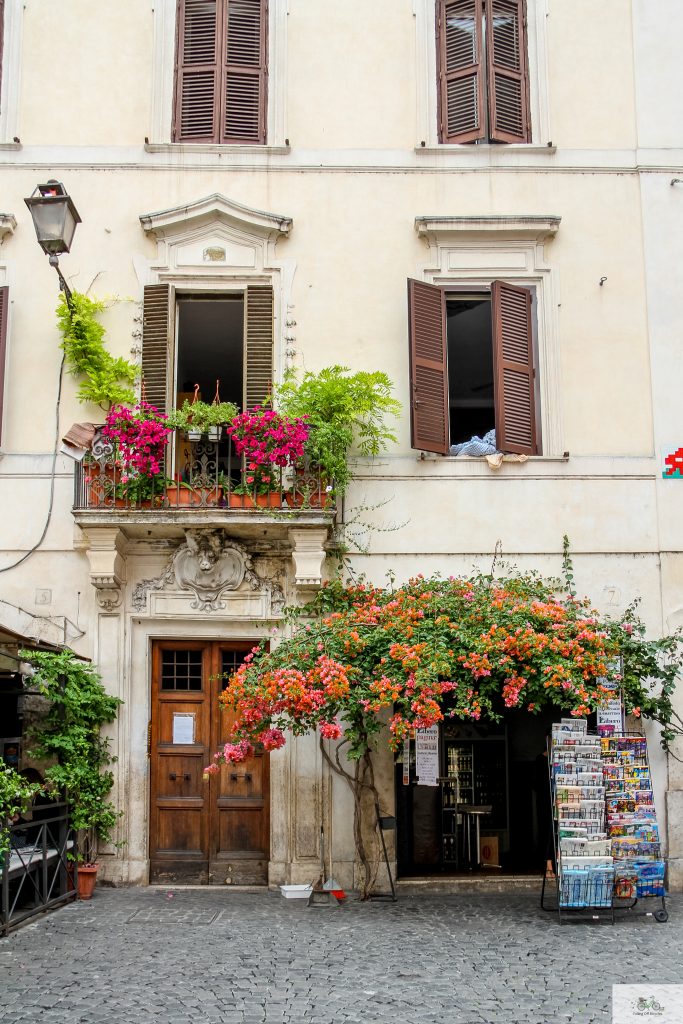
(53, 470)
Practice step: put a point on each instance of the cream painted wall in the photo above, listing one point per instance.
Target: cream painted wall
(659, 75)
(591, 83)
(86, 41)
(351, 80)
(351, 77)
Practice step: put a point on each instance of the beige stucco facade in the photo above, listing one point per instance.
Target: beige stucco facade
(585, 215)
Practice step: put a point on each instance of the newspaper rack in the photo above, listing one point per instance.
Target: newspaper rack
(605, 844)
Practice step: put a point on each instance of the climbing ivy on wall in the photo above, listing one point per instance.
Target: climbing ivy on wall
(106, 379)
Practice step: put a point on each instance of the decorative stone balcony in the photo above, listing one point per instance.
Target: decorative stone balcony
(117, 515)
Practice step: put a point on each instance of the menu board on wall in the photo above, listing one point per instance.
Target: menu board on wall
(427, 756)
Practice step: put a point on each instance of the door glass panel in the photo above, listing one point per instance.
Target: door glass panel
(230, 662)
(181, 670)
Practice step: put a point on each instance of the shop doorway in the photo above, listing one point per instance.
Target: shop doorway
(501, 766)
(207, 831)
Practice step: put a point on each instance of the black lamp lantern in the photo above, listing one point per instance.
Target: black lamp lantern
(54, 217)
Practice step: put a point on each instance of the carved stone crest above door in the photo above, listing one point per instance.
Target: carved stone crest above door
(210, 565)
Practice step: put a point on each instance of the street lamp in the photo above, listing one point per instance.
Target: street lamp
(55, 218)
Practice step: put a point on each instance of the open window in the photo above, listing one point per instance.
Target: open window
(483, 77)
(220, 335)
(472, 367)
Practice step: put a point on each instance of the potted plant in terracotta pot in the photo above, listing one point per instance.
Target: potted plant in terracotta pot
(69, 736)
(141, 490)
(269, 443)
(139, 436)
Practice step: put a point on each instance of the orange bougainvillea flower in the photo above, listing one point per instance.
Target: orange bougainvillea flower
(363, 660)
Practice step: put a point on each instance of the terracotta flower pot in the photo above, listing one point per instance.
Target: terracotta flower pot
(318, 499)
(269, 500)
(100, 481)
(87, 877)
(183, 496)
(128, 503)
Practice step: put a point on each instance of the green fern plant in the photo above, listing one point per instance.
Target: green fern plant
(344, 411)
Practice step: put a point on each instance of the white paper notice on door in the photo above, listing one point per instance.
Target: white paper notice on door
(427, 756)
(183, 728)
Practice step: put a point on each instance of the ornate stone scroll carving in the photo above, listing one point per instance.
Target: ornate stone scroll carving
(141, 589)
(209, 564)
(268, 575)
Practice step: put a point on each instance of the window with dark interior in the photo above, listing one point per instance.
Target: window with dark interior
(483, 86)
(191, 339)
(221, 74)
(472, 367)
(199, 338)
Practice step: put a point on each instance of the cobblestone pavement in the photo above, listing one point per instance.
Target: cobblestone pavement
(181, 956)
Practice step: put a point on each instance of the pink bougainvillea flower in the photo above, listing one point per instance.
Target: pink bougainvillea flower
(330, 730)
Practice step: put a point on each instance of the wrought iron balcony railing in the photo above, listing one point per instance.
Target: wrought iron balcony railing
(196, 475)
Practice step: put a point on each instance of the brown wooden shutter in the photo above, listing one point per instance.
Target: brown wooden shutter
(258, 346)
(198, 58)
(507, 69)
(4, 314)
(461, 86)
(513, 367)
(246, 71)
(429, 419)
(155, 344)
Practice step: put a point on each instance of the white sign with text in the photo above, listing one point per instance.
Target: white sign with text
(427, 756)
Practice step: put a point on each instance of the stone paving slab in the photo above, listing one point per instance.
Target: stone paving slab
(132, 956)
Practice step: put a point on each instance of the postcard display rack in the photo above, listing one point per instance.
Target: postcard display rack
(607, 848)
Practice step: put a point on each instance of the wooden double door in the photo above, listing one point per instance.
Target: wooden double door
(209, 831)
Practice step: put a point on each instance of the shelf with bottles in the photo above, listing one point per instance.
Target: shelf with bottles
(459, 760)
(459, 768)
